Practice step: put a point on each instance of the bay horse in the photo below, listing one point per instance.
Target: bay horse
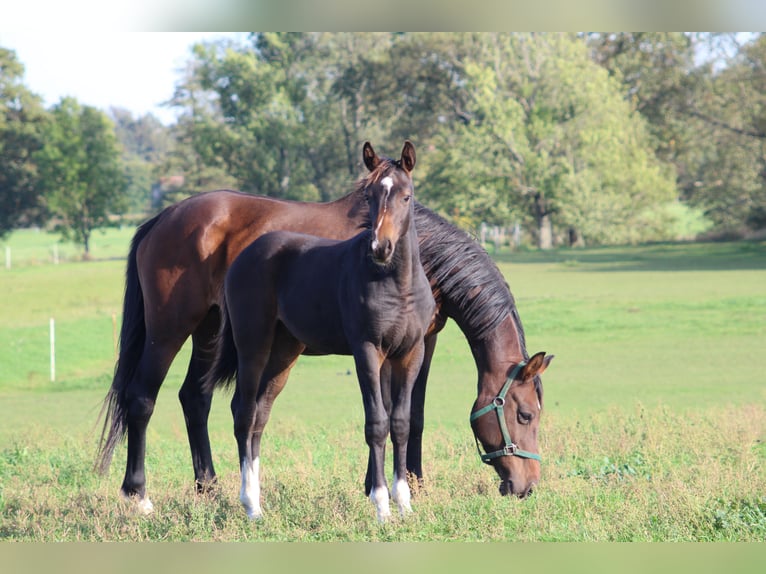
(367, 296)
(174, 281)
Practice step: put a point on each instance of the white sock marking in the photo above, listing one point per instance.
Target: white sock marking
(250, 493)
(379, 497)
(142, 505)
(401, 495)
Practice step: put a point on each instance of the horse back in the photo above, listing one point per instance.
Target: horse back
(182, 262)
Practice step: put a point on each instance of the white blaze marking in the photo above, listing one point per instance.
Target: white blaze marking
(388, 183)
(401, 495)
(250, 494)
(379, 497)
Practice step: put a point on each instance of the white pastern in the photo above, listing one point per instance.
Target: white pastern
(401, 495)
(379, 497)
(145, 506)
(141, 505)
(250, 494)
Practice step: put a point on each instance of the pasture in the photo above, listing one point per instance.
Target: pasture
(653, 427)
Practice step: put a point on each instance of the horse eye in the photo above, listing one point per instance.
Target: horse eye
(524, 418)
(406, 198)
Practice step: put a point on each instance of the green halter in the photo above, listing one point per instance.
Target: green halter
(510, 448)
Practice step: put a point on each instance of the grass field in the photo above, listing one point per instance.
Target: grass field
(653, 428)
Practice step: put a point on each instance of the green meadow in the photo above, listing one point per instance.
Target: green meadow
(653, 428)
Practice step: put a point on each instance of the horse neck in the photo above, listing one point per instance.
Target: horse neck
(407, 257)
(496, 353)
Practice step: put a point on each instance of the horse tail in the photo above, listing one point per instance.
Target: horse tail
(223, 372)
(132, 338)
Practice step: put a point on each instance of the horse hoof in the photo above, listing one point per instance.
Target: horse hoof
(207, 487)
(142, 506)
(255, 515)
(384, 516)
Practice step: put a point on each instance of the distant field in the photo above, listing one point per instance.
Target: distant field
(654, 422)
(37, 247)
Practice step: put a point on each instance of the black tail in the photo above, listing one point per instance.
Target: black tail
(132, 337)
(224, 369)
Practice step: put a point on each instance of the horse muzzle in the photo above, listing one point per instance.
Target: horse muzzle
(507, 488)
(382, 251)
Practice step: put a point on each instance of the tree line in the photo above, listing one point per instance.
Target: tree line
(574, 138)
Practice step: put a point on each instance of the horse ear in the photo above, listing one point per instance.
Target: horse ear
(408, 156)
(371, 159)
(536, 365)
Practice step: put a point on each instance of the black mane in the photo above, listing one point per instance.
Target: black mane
(469, 286)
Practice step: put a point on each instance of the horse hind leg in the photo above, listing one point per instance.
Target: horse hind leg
(140, 398)
(285, 352)
(196, 401)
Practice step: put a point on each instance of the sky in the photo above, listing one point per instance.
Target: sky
(132, 70)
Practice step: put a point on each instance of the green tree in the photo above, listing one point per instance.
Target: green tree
(22, 118)
(653, 70)
(729, 111)
(240, 123)
(80, 170)
(146, 145)
(286, 114)
(546, 137)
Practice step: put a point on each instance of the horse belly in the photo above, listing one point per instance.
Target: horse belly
(314, 323)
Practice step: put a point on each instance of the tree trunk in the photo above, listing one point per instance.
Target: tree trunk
(86, 245)
(544, 223)
(545, 231)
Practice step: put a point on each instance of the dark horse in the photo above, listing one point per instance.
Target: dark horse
(174, 280)
(368, 296)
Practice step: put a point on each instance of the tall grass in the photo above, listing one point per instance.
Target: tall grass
(653, 428)
(623, 476)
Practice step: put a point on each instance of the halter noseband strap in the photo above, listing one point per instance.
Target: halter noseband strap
(510, 448)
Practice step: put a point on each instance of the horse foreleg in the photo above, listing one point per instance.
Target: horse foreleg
(403, 375)
(417, 416)
(368, 362)
(385, 387)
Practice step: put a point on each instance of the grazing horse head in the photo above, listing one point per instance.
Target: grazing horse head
(507, 426)
(389, 192)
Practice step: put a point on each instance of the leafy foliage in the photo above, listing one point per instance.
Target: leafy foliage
(80, 170)
(577, 138)
(21, 121)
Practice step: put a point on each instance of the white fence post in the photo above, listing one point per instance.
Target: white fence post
(53, 351)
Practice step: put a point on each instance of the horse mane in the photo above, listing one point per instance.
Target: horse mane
(466, 279)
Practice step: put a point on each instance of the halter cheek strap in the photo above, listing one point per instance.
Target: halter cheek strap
(497, 404)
